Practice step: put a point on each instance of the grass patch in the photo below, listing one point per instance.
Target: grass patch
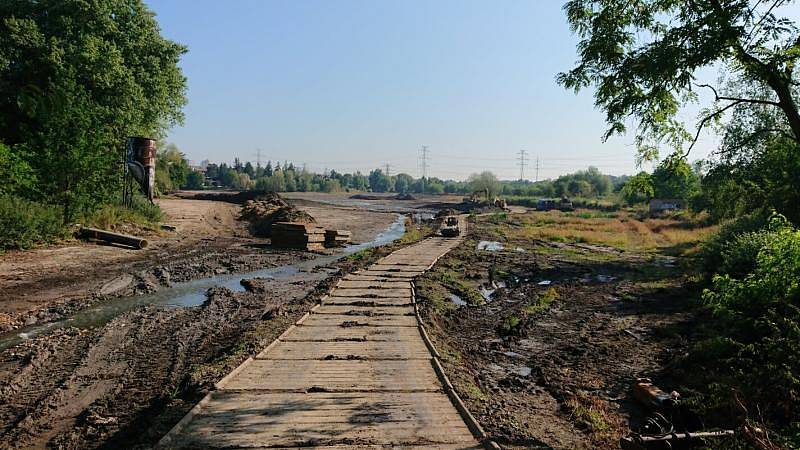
(475, 393)
(619, 230)
(592, 414)
(542, 302)
(141, 214)
(25, 224)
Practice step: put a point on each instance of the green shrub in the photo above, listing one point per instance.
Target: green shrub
(758, 319)
(109, 216)
(713, 251)
(24, 223)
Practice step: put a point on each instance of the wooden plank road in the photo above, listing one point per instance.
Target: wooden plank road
(356, 373)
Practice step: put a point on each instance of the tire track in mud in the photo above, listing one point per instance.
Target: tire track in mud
(125, 383)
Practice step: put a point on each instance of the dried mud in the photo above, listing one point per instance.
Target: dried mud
(559, 375)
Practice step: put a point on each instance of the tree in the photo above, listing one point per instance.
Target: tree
(76, 78)
(639, 188)
(378, 181)
(485, 182)
(249, 170)
(643, 56)
(195, 180)
(172, 164)
(674, 178)
(403, 182)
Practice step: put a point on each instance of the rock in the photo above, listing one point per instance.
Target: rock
(117, 284)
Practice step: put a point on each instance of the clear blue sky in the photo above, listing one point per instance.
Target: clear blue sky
(354, 85)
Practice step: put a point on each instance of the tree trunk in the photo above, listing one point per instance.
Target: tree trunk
(787, 105)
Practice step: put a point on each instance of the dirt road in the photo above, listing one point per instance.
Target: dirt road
(356, 371)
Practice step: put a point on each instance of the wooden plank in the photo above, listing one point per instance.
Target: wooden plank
(413, 349)
(337, 375)
(369, 292)
(303, 333)
(330, 320)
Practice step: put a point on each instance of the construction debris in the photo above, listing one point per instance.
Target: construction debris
(115, 238)
(671, 440)
(337, 238)
(269, 208)
(298, 235)
(651, 396)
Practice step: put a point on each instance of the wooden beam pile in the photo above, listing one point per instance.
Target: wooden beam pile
(337, 238)
(298, 235)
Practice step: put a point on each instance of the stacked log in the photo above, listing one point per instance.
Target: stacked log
(298, 235)
(337, 238)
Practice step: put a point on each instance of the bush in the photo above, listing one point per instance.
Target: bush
(713, 252)
(759, 322)
(110, 216)
(24, 223)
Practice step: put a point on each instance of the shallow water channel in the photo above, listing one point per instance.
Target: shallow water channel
(192, 293)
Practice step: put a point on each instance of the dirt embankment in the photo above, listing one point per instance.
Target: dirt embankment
(548, 361)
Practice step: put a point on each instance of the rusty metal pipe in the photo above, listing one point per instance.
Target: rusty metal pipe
(638, 442)
(117, 238)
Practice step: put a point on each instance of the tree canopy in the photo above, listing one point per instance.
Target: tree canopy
(643, 57)
(76, 78)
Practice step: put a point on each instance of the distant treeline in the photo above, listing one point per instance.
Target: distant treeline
(289, 178)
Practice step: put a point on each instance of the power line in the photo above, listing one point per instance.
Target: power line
(536, 180)
(522, 154)
(387, 169)
(424, 162)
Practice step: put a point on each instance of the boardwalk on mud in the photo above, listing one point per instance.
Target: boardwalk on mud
(355, 373)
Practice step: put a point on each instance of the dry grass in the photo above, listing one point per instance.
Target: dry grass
(620, 230)
(595, 416)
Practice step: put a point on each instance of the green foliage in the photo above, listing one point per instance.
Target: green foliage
(172, 170)
(511, 326)
(380, 182)
(16, 175)
(638, 189)
(77, 78)
(111, 215)
(195, 180)
(759, 317)
(643, 57)
(24, 223)
(485, 182)
(713, 251)
(541, 302)
(674, 178)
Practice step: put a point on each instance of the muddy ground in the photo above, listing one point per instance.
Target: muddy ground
(48, 283)
(548, 361)
(124, 383)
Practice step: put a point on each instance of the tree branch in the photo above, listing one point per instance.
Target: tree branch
(753, 135)
(756, 101)
(705, 121)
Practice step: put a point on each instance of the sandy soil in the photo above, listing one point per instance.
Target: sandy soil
(559, 377)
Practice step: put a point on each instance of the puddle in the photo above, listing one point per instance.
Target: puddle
(606, 278)
(487, 293)
(513, 355)
(456, 300)
(519, 249)
(524, 371)
(193, 293)
(489, 246)
(545, 283)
